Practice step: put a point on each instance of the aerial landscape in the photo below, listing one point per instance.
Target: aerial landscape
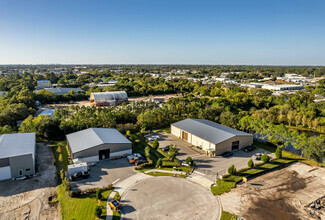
(211, 110)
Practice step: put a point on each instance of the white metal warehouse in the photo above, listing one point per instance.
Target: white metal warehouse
(108, 98)
(94, 144)
(17, 155)
(211, 136)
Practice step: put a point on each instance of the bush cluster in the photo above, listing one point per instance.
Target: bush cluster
(232, 169)
(89, 191)
(265, 158)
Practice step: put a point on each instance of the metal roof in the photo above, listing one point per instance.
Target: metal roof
(62, 91)
(208, 130)
(49, 112)
(99, 97)
(17, 144)
(93, 137)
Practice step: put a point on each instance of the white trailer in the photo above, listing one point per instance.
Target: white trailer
(77, 167)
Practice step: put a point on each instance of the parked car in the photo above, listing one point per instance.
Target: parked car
(133, 158)
(249, 149)
(227, 154)
(257, 156)
(79, 175)
(152, 138)
(166, 149)
(141, 161)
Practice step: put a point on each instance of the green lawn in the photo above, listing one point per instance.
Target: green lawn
(288, 155)
(230, 181)
(82, 207)
(61, 154)
(227, 216)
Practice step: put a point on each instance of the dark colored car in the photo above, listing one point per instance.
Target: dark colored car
(166, 149)
(227, 154)
(79, 176)
(249, 149)
(257, 156)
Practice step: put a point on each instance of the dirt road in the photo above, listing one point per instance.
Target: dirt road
(280, 194)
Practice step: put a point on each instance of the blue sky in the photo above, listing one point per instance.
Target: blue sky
(275, 32)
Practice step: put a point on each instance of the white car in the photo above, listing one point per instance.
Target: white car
(152, 138)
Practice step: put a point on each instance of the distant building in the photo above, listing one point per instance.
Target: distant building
(17, 155)
(48, 112)
(108, 98)
(95, 144)
(41, 84)
(282, 87)
(62, 91)
(211, 136)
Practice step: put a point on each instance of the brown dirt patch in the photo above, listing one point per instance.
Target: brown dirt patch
(281, 194)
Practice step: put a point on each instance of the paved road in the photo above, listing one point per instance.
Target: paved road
(121, 188)
(169, 198)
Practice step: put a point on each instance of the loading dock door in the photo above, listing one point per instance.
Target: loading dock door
(104, 154)
(185, 136)
(235, 145)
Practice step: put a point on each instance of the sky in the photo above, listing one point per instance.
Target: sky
(263, 32)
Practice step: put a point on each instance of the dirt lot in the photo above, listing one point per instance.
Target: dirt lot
(145, 98)
(281, 194)
(169, 198)
(28, 199)
(105, 172)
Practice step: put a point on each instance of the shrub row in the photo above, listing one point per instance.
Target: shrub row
(89, 191)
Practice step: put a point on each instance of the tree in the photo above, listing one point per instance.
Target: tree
(250, 163)
(189, 160)
(278, 152)
(265, 158)
(159, 163)
(155, 144)
(172, 152)
(99, 194)
(147, 151)
(232, 169)
(128, 133)
(98, 211)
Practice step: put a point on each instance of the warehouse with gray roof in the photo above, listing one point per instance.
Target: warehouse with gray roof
(95, 144)
(17, 155)
(211, 136)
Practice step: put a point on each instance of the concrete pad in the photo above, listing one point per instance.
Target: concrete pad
(105, 172)
(183, 147)
(169, 198)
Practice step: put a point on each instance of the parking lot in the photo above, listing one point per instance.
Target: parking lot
(184, 150)
(105, 172)
(210, 167)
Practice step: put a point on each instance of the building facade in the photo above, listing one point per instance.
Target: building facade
(17, 155)
(211, 136)
(95, 144)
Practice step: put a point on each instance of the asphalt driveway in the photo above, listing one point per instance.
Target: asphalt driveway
(105, 172)
(181, 199)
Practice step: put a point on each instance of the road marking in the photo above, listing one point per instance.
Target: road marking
(116, 181)
(199, 173)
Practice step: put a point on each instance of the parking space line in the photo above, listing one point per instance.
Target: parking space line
(115, 181)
